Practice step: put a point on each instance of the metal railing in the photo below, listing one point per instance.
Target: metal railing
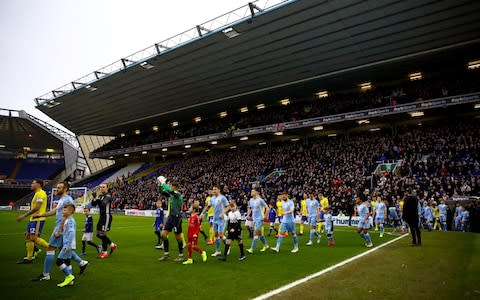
(225, 21)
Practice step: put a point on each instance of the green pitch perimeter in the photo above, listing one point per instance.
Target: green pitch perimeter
(133, 272)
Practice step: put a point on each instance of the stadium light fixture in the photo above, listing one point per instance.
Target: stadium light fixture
(174, 124)
(322, 94)
(230, 32)
(374, 129)
(278, 133)
(188, 146)
(197, 119)
(244, 138)
(207, 150)
(415, 76)
(50, 150)
(184, 153)
(244, 109)
(122, 134)
(317, 128)
(164, 149)
(2, 146)
(472, 65)
(27, 148)
(164, 155)
(146, 65)
(126, 155)
(137, 132)
(332, 135)
(110, 157)
(213, 142)
(233, 147)
(476, 106)
(366, 121)
(260, 106)
(295, 139)
(415, 114)
(91, 88)
(223, 114)
(144, 152)
(155, 128)
(285, 101)
(262, 143)
(365, 86)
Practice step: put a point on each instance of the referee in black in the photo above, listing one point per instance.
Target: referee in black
(104, 224)
(410, 215)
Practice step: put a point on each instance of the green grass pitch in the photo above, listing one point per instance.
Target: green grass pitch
(133, 272)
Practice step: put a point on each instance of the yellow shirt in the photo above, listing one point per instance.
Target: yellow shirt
(210, 210)
(39, 197)
(372, 205)
(324, 202)
(436, 212)
(279, 208)
(303, 207)
(400, 204)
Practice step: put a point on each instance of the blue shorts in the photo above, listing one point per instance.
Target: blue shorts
(257, 224)
(393, 217)
(158, 227)
(287, 227)
(443, 219)
(219, 226)
(364, 225)
(271, 220)
(322, 214)
(35, 227)
(380, 220)
(312, 220)
(65, 255)
(210, 220)
(304, 218)
(54, 241)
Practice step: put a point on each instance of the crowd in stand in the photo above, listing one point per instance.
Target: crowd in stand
(440, 161)
(405, 92)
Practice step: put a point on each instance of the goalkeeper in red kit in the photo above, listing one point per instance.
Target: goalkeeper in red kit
(193, 232)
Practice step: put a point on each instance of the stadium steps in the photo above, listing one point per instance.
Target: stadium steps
(146, 172)
(128, 169)
(16, 169)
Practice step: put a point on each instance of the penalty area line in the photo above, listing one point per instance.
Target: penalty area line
(331, 268)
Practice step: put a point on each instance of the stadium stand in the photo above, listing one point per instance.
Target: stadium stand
(304, 108)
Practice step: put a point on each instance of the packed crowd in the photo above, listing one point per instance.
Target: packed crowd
(435, 161)
(406, 92)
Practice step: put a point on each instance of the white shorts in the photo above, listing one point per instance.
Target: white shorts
(87, 236)
(248, 223)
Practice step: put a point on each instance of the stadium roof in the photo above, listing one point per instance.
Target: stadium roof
(293, 45)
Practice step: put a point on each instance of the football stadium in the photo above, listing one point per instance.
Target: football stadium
(319, 149)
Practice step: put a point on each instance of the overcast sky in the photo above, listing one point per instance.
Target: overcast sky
(46, 44)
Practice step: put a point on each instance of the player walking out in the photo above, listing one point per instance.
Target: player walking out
(288, 223)
(35, 226)
(219, 203)
(158, 224)
(313, 212)
(67, 230)
(192, 234)
(174, 220)
(105, 221)
(363, 224)
(88, 232)
(234, 230)
(329, 226)
(380, 215)
(442, 209)
(256, 206)
(56, 239)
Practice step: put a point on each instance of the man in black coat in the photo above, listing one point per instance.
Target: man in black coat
(410, 215)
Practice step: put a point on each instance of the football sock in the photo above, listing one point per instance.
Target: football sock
(165, 245)
(217, 244)
(242, 253)
(254, 242)
(279, 241)
(295, 240)
(264, 241)
(301, 228)
(211, 234)
(180, 247)
(30, 246)
(159, 237)
(83, 246)
(225, 251)
(49, 260)
(367, 238)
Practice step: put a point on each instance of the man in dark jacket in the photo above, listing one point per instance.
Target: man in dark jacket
(105, 221)
(410, 215)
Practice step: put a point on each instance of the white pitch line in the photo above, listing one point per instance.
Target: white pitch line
(331, 268)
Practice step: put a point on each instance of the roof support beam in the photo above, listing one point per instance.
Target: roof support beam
(254, 7)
